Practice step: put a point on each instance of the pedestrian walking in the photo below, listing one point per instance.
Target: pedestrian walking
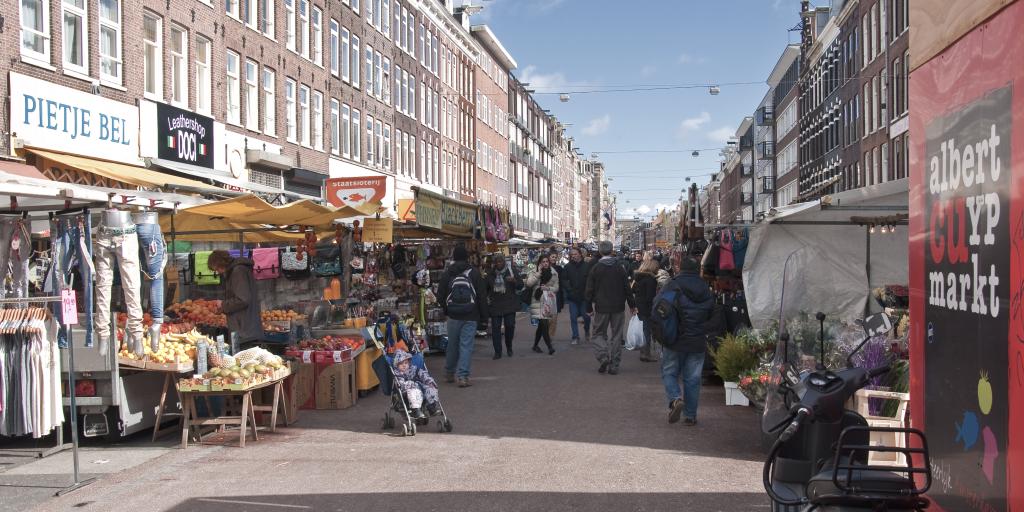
(462, 294)
(608, 290)
(645, 287)
(684, 359)
(575, 282)
(543, 282)
(553, 259)
(502, 301)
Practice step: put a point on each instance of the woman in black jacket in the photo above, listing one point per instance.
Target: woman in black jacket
(503, 301)
(645, 287)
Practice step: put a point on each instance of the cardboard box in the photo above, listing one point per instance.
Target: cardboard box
(299, 387)
(335, 384)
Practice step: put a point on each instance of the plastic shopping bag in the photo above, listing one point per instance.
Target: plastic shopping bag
(635, 334)
(549, 304)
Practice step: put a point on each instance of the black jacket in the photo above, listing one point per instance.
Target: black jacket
(645, 287)
(574, 277)
(501, 304)
(696, 304)
(241, 302)
(455, 269)
(560, 270)
(608, 287)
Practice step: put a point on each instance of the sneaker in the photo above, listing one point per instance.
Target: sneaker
(676, 410)
(537, 349)
(613, 371)
(417, 413)
(689, 422)
(449, 377)
(496, 356)
(575, 341)
(464, 382)
(603, 368)
(433, 409)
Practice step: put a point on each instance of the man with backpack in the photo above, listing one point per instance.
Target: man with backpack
(683, 321)
(462, 294)
(608, 289)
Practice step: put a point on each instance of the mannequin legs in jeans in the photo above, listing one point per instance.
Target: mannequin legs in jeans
(122, 250)
(71, 241)
(154, 258)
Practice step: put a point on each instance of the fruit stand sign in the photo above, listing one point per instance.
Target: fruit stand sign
(377, 231)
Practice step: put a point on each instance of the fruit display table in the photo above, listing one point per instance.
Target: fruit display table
(246, 417)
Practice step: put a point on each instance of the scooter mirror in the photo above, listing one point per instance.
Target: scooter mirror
(877, 324)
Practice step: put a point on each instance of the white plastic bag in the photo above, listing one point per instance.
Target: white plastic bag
(635, 334)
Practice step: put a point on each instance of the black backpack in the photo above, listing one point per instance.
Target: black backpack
(461, 298)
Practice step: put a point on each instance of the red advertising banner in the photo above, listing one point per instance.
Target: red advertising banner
(356, 192)
(967, 265)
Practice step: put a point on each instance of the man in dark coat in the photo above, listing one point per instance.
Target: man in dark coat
(462, 316)
(502, 301)
(684, 360)
(608, 289)
(241, 302)
(575, 286)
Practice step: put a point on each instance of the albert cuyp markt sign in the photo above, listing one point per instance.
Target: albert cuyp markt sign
(49, 116)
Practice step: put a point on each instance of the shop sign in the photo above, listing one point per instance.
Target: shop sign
(356, 192)
(438, 212)
(378, 231)
(183, 136)
(50, 116)
(407, 210)
(428, 210)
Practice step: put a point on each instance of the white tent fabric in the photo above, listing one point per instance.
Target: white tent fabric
(827, 269)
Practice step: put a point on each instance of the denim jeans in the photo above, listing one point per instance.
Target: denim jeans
(686, 366)
(71, 240)
(17, 247)
(459, 353)
(154, 258)
(509, 321)
(576, 310)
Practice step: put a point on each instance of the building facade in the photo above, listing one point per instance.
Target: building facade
(530, 134)
(492, 126)
(783, 82)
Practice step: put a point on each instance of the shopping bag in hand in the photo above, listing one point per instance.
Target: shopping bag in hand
(635, 334)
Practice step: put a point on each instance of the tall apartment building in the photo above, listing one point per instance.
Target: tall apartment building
(763, 159)
(530, 131)
(493, 165)
(565, 198)
(783, 84)
(584, 216)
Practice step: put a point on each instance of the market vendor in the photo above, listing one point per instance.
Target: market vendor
(241, 302)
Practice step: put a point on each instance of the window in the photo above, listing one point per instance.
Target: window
(35, 30)
(883, 95)
(867, 110)
(386, 81)
(378, 132)
(346, 131)
(423, 47)
(885, 162)
(318, 36)
(76, 33)
(304, 114)
(267, 18)
(412, 96)
(252, 95)
(906, 85)
(355, 61)
(110, 40)
(203, 87)
(334, 49)
(289, 110)
(377, 73)
(385, 15)
(369, 70)
(179, 66)
(411, 147)
(249, 13)
(153, 64)
(357, 134)
(335, 127)
(234, 113)
(289, 23)
(269, 103)
(387, 147)
(231, 7)
(874, 32)
(875, 117)
(433, 54)
(866, 40)
(318, 120)
(304, 28)
(370, 151)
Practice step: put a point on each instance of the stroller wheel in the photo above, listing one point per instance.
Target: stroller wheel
(447, 425)
(405, 430)
(412, 432)
(440, 426)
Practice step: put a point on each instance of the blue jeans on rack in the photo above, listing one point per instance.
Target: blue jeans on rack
(71, 239)
(154, 258)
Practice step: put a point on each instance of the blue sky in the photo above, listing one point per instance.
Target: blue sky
(578, 45)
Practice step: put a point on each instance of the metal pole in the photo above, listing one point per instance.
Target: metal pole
(867, 267)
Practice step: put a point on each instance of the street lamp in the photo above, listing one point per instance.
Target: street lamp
(714, 90)
(564, 97)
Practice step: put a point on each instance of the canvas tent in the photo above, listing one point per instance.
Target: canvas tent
(833, 261)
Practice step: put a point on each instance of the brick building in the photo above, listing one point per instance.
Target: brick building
(492, 125)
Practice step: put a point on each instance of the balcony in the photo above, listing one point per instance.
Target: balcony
(746, 170)
(746, 142)
(768, 184)
(746, 198)
(766, 150)
(764, 116)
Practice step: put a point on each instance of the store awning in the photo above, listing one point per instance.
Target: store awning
(21, 169)
(130, 174)
(199, 228)
(250, 209)
(206, 174)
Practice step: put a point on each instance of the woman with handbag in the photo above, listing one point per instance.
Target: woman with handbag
(543, 281)
(502, 300)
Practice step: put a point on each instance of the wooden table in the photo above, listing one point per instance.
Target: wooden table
(171, 372)
(244, 420)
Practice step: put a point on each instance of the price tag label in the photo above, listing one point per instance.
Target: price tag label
(69, 307)
(307, 356)
(337, 356)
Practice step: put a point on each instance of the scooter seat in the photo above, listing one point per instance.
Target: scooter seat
(866, 487)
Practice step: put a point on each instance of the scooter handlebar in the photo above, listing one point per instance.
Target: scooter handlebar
(794, 426)
(881, 370)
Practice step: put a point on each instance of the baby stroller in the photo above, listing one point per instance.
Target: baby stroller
(388, 335)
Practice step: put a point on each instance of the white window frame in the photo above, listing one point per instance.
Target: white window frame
(249, 14)
(371, 152)
(357, 133)
(385, 80)
(289, 24)
(345, 51)
(385, 16)
(356, 63)
(157, 68)
(378, 73)
(82, 13)
(231, 7)
(335, 127)
(378, 133)
(412, 155)
(269, 82)
(204, 76)
(266, 18)
(252, 95)
(303, 29)
(179, 66)
(291, 106)
(386, 161)
(369, 70)
(318, 36)
(318, 121)
(346, 131)
(335, 47)
(304, 116)
(232, 88)
(44, 34)
(115, 58)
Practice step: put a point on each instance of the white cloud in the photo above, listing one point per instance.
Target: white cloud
(694, 123)
(598, 125)
(722, 135)
(541, 82)
(663, 206)
(686, 58)
(648, 70)
(642, 209)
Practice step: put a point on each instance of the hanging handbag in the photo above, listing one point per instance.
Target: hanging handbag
(201, 272)
(238, 253)
(489, 230)
(709, 263)
(292, 267)
(266, 263)
(726, 263)
(327, 261)
(501, 231)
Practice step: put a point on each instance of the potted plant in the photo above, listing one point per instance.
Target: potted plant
(754, 386)
(733, 357)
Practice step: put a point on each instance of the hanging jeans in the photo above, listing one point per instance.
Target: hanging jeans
(16, 249)
(118, 246)
(71, 240)
(154, 259)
